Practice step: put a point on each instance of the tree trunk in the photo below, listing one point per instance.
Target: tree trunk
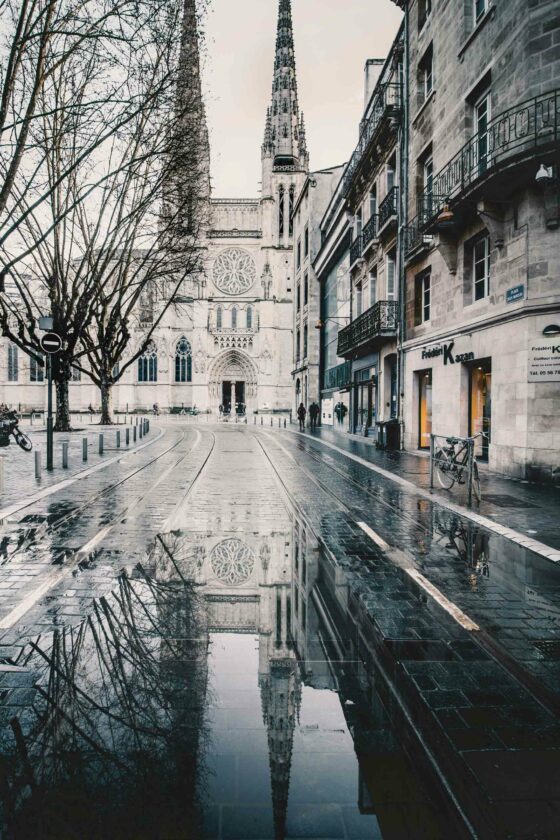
(62, 406)
(106, 403)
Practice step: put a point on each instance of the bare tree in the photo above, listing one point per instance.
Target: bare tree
(104, 144)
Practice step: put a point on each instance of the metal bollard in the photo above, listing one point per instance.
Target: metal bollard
(118, 440)
(261, 421)
(37, 465)
(84, 449)
(140, 432)
(31, 419)
(134, 434)
(284, 422)
(279, 421)
(101, 444)
(64, 454)
(271, 421)
(127, 437)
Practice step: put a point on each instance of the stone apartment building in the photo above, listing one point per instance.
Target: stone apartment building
(308, 211)
(481, 247)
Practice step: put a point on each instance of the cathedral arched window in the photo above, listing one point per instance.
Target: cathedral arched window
(219, 317)
(285, 106)
(13, 363)
(281, 211)
(249, 317)
(234, 318)
(291, 208)
(285, 130)
(183, 361)
(147, 364)
(36, 370)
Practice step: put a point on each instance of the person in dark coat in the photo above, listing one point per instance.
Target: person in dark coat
(301, 412)
(314, 412)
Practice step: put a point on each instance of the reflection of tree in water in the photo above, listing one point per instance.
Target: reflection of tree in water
(119, 722)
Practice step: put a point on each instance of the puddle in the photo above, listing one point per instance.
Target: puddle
(210, 696)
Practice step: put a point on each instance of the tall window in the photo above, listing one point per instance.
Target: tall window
(298, 253)
(249, 317)
(481, 267)
(422, 297)
(281, 192)
(358, 223)
(183, 361)
(424, 12)
(219, 318)
(36, 370)
(390, 176)
(298, 297)
(373, 286)
(482, 119)
(305, 335)
(391, 277)
(76, 374)
(234, 317)
(358, 300)
(147, 364)
(480, 7)
(373, 202)
(13, 363)
(428, 174)
(306, 242)
(298, 345)
(305, 289)
(426, 74)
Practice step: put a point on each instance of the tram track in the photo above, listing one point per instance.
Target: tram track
(77, 558)
(407, 564)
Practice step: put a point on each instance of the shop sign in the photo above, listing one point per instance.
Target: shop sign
(515, 294)
(449, 357)
(544, 361)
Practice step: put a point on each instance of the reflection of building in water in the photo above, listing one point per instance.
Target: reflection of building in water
(246, 586)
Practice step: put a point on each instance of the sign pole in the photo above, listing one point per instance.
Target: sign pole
(49, 414)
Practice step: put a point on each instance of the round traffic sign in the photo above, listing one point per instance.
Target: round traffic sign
(51, 342)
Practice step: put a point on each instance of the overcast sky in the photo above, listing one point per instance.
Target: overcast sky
(333, 39)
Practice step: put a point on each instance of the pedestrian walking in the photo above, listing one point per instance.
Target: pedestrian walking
(314, 412)
(301, 412)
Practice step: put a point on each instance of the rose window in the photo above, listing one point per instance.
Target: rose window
(234, 271)
(232, 561)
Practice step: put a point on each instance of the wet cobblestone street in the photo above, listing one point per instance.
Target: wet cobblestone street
(241, 633)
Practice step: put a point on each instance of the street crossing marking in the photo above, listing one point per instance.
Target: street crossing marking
(451, 608)
(374, 536)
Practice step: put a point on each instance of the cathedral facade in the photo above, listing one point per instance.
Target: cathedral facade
(227, 341)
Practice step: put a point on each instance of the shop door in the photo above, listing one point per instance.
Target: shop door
(424, 408)
(480, 399)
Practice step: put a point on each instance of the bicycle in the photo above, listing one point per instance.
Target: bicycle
(9, 426)
(451, 464)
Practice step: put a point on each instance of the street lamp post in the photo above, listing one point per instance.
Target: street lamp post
(49, 345)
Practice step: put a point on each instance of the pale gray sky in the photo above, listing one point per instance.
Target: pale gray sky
(333, 39)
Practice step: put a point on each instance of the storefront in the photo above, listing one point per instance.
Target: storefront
(365, 399)
(424, 381)
(480, 404)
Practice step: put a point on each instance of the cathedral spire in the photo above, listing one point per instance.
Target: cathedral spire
(284, 110)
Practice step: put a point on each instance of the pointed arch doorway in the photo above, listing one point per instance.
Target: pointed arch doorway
(233, 383)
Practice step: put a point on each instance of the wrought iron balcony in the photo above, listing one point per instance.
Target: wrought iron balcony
(386, 105)
(528, 128)
(415, 238)
(377, 322)
(369, 233)
(338, 377)
(356, 250)
(388, 208)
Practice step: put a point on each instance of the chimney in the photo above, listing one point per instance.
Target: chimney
(372, 73)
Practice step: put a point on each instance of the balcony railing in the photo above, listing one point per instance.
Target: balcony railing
(356, 250)
(379, 320)
(338, 377)
(369, 233)
(532, 125)
(387, 103)
(388, 207)
(415, 238)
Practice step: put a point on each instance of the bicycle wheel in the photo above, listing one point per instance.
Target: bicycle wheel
(476, 482)
(23, 441)
(443, 466)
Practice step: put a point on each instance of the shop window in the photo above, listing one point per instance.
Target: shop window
(424, 378)
(480, 404)
(422, 297)
(13, 363)
(424, 12)
(36, 370)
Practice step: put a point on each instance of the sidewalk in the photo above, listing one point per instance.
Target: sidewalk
(527, 508)
(20, 483)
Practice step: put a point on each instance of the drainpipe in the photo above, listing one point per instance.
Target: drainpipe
(403, 216)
